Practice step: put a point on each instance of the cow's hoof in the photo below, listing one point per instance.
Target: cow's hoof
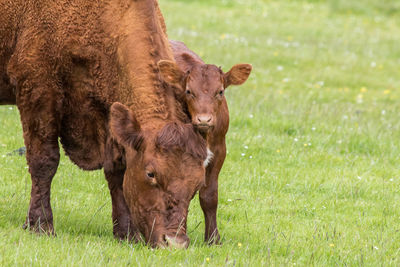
(213, 240)
(41, 229)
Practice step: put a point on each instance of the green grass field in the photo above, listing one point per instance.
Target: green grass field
(312, 173)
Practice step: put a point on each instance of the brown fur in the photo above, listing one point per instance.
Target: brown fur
(200, 87)
(181, 137)
(64, 63)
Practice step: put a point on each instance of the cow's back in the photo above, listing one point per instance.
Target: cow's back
(64, 41)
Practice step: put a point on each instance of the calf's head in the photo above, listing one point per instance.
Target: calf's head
(203, 86)
(164, 170)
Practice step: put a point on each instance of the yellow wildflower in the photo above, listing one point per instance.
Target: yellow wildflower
(239, 245)
(386, 92)
(363, 90)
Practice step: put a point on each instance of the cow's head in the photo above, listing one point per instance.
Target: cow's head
(164, 170)
(203, 86)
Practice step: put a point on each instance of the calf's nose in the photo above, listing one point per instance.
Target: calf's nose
(204, 119)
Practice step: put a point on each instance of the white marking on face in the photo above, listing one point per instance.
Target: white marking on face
(209, 158)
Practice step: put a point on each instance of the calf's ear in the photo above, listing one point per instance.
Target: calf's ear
(171, 73)
(237, 75)
(124, 126)
(187, 62)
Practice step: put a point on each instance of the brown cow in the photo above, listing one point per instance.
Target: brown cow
(200, 87)
(64, 63)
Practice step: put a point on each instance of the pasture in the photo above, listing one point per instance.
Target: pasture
(312, 175)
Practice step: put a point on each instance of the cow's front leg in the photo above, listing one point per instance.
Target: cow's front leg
(209, 196)
(43, 162)
(39, 99)
(40, 127)
(123, 228)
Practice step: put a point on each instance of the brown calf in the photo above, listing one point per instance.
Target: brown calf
(201, 88)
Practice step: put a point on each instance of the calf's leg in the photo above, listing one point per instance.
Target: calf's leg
(209, 196)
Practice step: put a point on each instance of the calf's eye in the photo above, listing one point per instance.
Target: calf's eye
(221, 93)
(188, 92)
(150, 175)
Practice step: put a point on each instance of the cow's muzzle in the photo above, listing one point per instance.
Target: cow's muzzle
(171, 241)
(179, 242)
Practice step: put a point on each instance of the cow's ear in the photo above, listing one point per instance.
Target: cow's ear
(124, 126)
(237, 75)
(171, 73)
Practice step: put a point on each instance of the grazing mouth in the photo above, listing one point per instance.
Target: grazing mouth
(175, 242)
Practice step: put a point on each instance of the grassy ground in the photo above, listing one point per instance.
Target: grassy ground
(312, 174)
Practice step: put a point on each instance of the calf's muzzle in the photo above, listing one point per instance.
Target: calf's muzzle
(203, 122)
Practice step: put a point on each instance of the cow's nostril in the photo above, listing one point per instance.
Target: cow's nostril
(209, 119)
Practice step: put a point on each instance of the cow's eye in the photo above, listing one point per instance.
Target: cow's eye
(150, 175)
(221, 93)
(151, 178)
(188, 92)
